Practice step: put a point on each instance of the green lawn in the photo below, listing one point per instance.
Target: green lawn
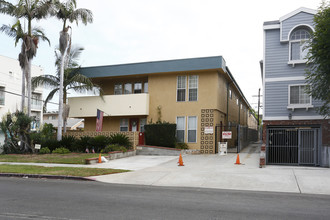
(71, 158)
(62, 171)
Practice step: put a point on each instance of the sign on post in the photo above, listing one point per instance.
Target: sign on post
(222, 148)
(226, 135)
(37, 146)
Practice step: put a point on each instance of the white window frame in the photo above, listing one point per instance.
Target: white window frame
(131, 91)
(136, 89)
(185, 88)
(184, 127)
(143, 121)
(294, 106)
(121, 89)
(145, 87)
(3, 94)
(123, 125)
(302, 42)
(190, 76)
(192, 130)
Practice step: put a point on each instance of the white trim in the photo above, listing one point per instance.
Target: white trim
(292, 106)
(296, 27)
(263, 75)
(184, 127)
(272, 26)
(281, 118)
(189, 88)
(302, 9)
(192, 130)
(177, 83)
(279, 79)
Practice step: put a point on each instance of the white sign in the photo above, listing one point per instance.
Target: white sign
(222, 148)
(37, 146)
(226, 135)
(208, 130)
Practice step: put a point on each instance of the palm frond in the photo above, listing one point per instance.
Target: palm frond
(49, 81)
(50, 96)
(7, 8)
(85, 15)
(38, 32)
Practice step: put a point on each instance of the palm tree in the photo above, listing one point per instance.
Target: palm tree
(72, 80)
(16, 31)
(66, 11)
(29, 10)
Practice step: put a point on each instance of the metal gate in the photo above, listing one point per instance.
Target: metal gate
(293, 146)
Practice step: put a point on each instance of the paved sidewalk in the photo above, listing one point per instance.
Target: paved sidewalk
(214, 171)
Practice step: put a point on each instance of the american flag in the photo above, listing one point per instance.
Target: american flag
(99, 120)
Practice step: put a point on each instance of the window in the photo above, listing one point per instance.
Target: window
(180, 128)
(298, 96)
(181, 89)
(241, 106)
(230, 94)
(137, 87)
(193, 88)
(128, 88)
(192, 129)
(124, 124)
(298, 50)
(36, 102)
(236, 101)
(143, 122)
(118, 89)
(145, 87)
(2, 95)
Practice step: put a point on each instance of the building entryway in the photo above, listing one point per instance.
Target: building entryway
(133, 124)
(293, 146)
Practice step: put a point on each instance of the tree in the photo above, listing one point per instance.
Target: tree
(66, 11)
(72, 78)
(16, 31)
(318, 71)
(29, 10)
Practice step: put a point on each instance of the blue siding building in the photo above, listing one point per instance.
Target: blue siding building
(293, 132)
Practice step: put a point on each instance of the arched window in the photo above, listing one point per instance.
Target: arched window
(298, 39)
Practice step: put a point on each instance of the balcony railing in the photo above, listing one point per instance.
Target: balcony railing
(111, 105)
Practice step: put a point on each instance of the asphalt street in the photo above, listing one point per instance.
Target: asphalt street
(63, 199)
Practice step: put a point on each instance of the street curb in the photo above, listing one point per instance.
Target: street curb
(40, 176)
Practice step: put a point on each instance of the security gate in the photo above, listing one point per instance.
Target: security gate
(293, 146)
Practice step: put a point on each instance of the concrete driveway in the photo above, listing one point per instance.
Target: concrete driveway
(214, 171)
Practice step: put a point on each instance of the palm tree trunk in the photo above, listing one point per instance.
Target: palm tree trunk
(23, 91)
(60, 107)
(29, 90)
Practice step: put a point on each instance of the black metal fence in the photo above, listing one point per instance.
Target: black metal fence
(242, 136)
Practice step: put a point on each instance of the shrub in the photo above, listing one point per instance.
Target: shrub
(68, 142)
(99, 142)
(113, 147)
(80, 145)
(44, 150)
(160, 134)
(51, 143)
(61, 150)
(120, 139)
(181, 146)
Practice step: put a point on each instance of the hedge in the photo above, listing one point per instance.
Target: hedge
(160, 134)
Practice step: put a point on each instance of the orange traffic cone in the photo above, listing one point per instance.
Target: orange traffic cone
(237, 160)
(100, 160)
(180, 161)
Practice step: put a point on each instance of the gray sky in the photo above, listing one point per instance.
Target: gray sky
(128, 31)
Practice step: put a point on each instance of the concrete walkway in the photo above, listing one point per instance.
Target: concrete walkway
(214, 171)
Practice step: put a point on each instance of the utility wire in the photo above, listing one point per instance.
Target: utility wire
(13, 93)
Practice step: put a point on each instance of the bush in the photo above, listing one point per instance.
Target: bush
(99, 142)
(80, 145)
(113, 147)
(181, 146)
(68, 142)
(61, 150)
(44, 150)
(52, 144)
(160, 134)
(120, 139)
